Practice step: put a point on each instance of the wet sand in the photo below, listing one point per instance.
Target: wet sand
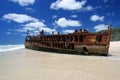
(25, 64)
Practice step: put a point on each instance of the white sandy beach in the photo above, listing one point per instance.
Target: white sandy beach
(25, 64)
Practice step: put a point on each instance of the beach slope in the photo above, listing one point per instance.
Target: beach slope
(25, 64)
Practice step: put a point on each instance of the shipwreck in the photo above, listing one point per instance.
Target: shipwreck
(79, 42)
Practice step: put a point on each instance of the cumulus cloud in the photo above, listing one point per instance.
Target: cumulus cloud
(27, 23)
(34, 30)
(97, 18)
(35, 27)
(68, 31)
(63, 22)
(32, 26)
(24, 2)
(20, 18)
(68, 4)
(49, 30)
(100, 27)
(35, 24)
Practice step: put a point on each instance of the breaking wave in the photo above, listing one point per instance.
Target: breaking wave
(10, 47)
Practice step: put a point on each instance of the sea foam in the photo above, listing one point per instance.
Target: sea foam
(10, 47)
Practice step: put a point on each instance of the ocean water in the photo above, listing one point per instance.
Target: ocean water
(11, 47)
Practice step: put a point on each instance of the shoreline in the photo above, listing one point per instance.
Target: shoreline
(23, 47)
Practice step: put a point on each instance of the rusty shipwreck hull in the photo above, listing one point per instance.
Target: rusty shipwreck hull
(79, 49)
(78, 42)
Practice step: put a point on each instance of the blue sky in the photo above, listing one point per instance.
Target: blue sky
(64, 16)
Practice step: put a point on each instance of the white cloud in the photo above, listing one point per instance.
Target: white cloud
(97, 18)
(68, 31)
(49, 30)
(32, 26)
(100, 27)
(28, 23)
(35, 24)
(20, 18)
(63, 22)
(35, 27)
(73, 16)
(87, 8)
(68, 4)
(24, 2)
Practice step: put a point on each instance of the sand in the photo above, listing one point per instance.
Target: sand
(25, 64)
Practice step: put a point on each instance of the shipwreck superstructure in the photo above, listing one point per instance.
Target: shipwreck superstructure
(79, 42)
